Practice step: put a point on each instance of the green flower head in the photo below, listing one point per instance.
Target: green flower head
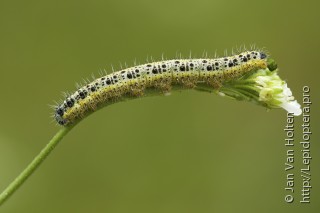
(263, 87)
(275, 93)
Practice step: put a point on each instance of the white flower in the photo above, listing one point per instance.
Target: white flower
(263, 87)
(289, 103)
(275, 92)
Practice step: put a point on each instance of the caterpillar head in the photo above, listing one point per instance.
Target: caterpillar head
(58, 116)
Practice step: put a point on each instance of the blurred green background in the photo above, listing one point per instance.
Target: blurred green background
(189, 152)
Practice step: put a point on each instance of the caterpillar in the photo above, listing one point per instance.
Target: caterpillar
(160, 76)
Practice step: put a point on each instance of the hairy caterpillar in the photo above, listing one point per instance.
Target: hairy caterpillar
(161, 76)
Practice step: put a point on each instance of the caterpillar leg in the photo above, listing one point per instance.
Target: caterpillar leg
(163, 84)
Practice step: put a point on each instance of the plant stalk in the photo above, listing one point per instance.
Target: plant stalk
(35, 163)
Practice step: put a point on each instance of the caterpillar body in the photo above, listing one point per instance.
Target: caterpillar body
(161, 76)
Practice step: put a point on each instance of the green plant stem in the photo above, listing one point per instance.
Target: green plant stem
(35, 163)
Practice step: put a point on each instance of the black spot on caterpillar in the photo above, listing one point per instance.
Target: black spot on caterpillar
(160, 76)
